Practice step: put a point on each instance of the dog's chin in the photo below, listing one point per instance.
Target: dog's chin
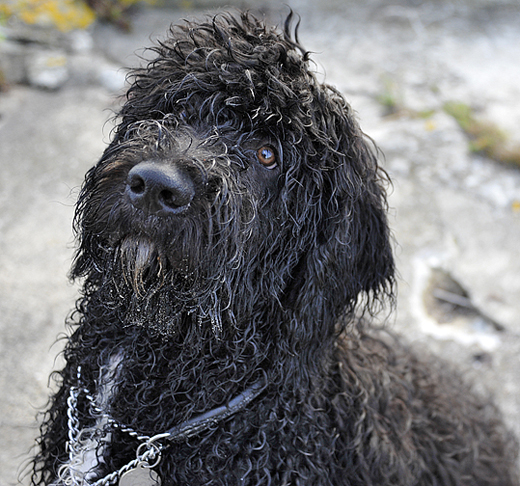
(156, 314)
(151, 284)
(168, 312)
(165, 294)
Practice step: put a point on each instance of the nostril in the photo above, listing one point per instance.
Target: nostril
(171, 200)
(136, 184)
(160, 189)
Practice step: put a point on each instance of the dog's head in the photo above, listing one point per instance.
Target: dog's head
(237, 186)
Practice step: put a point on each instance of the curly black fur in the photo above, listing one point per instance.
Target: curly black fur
(263, 270)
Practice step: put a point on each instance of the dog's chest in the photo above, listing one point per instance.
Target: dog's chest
(88, 447)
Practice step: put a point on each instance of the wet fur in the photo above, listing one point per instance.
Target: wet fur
(265, 274)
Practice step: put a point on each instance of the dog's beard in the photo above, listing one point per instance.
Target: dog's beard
(154, 288)
(167, 290)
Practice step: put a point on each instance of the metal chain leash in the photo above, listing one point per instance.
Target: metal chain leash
(139, 471)
(72, 422)
(150, 456)
(124, 428)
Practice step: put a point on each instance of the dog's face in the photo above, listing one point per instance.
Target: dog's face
(235, 183)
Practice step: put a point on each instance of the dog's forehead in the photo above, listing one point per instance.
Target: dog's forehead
(238, 54)
(229, 74)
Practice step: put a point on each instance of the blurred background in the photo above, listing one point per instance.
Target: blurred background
(435, 83)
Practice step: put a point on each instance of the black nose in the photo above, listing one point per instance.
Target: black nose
(160, 189)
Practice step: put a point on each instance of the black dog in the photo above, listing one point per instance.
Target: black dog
(233, 242)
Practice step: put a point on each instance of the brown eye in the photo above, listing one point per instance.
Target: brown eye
(267, 157)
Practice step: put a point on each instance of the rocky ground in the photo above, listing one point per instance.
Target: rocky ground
(455, 213)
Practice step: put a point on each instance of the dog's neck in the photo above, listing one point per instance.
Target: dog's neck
(85, 456)
(192, 370)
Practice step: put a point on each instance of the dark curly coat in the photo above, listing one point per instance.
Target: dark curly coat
(234, 233)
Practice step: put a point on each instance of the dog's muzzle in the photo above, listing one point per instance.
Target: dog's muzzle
(159, 189)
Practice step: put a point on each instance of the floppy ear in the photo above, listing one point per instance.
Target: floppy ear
(349, 261)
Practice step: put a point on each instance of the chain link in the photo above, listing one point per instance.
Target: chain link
(72, 422)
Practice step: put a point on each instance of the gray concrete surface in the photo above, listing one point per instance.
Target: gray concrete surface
(452, 211)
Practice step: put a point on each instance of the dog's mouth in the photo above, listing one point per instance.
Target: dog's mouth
(140, 262)
(147, 267)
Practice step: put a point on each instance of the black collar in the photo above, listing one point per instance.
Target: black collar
(200, 423)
